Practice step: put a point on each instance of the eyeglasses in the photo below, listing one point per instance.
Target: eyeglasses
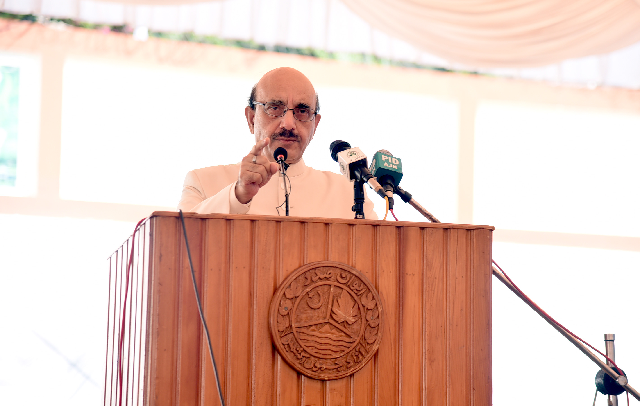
(300, 113)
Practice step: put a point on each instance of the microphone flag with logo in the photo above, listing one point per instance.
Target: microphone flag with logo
(386, 168)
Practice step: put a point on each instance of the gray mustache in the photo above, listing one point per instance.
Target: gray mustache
(285, 134)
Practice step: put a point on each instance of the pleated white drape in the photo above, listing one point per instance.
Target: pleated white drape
(506, 33)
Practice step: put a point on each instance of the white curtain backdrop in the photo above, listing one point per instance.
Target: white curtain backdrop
(528, 39)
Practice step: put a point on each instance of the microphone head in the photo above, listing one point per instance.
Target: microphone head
(280, 154)
(386, 167)
(338, 146)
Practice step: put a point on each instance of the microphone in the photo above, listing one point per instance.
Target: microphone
(353, 165)
(280, 155)
(388, 170)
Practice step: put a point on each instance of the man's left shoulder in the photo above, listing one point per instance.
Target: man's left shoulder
(329, 177)
(326, 173)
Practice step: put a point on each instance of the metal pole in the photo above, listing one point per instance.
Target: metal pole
(611, 353)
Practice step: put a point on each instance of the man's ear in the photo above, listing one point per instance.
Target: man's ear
(250, 114)
(317, 121)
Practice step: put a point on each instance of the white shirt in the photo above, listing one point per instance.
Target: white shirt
(313, 193)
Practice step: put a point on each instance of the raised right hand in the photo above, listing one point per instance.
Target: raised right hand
(255, 171)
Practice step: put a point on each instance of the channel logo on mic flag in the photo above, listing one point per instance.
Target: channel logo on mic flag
(386, 164)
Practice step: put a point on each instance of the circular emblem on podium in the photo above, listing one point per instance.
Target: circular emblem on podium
(326, 320)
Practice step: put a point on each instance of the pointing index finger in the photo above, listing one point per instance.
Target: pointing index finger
(257, 149)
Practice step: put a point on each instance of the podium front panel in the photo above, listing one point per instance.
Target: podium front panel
(434, 281)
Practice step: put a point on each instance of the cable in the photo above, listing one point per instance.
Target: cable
(386, 199)
(285, 178)
(124, 309)
(290, 186)
(554, 320)
(204, 323)
(286, 193)
(393, 214)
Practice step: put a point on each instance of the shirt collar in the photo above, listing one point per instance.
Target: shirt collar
(297, 169)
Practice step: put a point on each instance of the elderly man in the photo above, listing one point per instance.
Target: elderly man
(282, 112)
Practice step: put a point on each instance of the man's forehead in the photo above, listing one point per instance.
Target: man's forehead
(286, 84)
(285, 93)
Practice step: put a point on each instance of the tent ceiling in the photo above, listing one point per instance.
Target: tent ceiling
(582, 42)
(507, 33)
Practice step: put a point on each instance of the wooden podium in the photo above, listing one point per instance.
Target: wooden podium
(434, 281)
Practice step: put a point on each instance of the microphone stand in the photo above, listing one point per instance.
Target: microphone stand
(284, 182)
(358, 198)
(618, 378)
(407, 198)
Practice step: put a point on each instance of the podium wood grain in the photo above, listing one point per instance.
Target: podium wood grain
(434, 281)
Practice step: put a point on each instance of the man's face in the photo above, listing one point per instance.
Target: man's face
(292, 89)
